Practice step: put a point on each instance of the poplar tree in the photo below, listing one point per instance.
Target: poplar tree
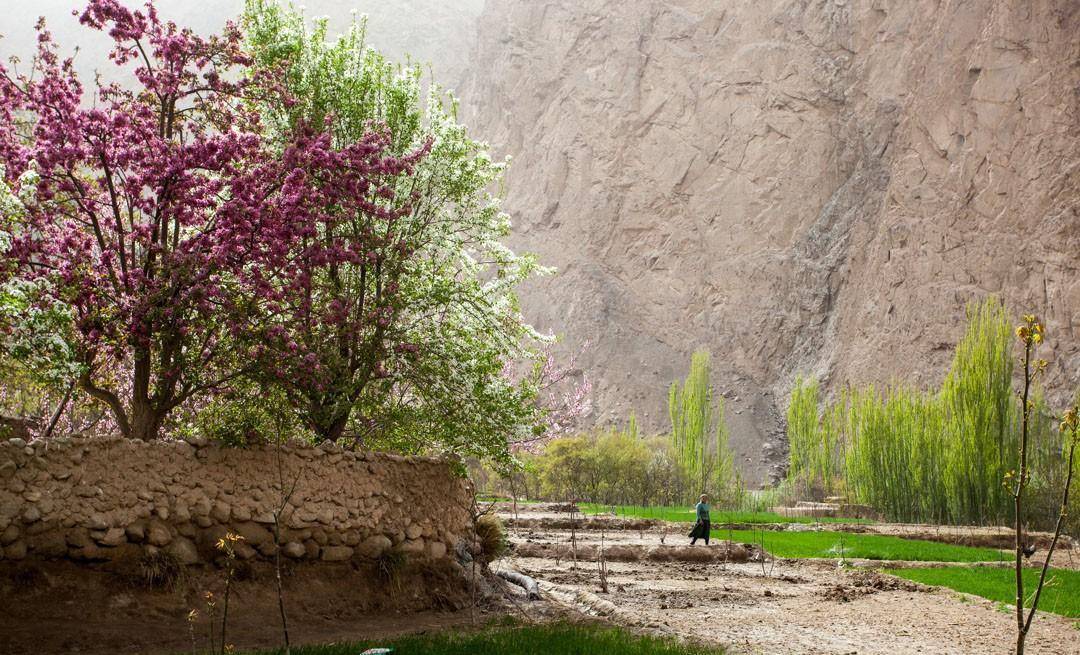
(699, 433)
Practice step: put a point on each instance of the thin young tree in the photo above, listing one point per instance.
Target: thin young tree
(698, 429)
(1031, 335)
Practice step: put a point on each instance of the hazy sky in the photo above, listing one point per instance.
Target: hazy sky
(435, 31)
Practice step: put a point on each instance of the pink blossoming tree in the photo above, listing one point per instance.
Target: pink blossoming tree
(163, 219)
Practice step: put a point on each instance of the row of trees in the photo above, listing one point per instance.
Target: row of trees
(266, 230)
(944, 456)
(622, 467)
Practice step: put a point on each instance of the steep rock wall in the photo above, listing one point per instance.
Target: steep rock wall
(111, 499)
(798, 186)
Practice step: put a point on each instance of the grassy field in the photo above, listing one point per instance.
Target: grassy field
(555, 639)
(686, 515)
(1060, 596)
(865, 546)
(812, 544)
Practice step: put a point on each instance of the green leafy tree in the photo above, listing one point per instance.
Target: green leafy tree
(622, 458)
(567, 468)
(812, 441)
(939, 455)
(698, 430)
(457, 323)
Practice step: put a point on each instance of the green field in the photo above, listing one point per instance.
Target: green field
(686, 515)
(556, 639)
(784, 543)
(864, 546)
(1060, 596)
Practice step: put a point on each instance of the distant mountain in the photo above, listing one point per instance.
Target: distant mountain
(815, 187)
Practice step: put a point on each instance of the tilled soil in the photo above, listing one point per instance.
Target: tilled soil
(528, 518)
(529, 523)
(774, 606)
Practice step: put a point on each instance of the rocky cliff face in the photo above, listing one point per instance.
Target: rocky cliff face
(798, 186)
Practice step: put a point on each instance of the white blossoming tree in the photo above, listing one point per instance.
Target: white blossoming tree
(444, 384)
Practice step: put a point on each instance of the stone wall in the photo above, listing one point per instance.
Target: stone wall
(111, 499)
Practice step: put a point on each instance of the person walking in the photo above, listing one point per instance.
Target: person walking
(701, 528)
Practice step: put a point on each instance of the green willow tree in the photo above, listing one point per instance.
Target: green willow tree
(812, 440)
(458, 317)
(699, 432)
(937, 456)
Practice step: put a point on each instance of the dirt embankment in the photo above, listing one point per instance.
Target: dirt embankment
(725, 552)
(580, 523)
(961, 535)
(63, 607)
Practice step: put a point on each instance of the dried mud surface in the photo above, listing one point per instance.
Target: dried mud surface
(773, 605)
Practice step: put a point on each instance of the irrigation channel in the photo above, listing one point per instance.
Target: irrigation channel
(642, 574)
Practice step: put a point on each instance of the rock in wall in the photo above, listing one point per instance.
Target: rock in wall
(809, 186)
(109, 499)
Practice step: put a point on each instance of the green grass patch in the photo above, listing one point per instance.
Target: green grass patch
(687, 515)
(1061, 595)
(859, 546)
(553, 639)
(812, 544)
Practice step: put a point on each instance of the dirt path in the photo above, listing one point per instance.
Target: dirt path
(791, 607)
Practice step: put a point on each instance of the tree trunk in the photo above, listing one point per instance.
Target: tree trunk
(110, 400)
(146, 419)
(532, 590)
(336, 428)
(1018, 494)
(146, 422)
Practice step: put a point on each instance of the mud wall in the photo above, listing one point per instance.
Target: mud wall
(108, 499)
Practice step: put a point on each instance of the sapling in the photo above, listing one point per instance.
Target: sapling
(279, 511)
(227, 545)
(211, 613)
(1031, 334)
(601, 565)
(191, 617)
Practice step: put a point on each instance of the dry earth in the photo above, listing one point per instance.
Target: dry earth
(63, 607)
(773, 606)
